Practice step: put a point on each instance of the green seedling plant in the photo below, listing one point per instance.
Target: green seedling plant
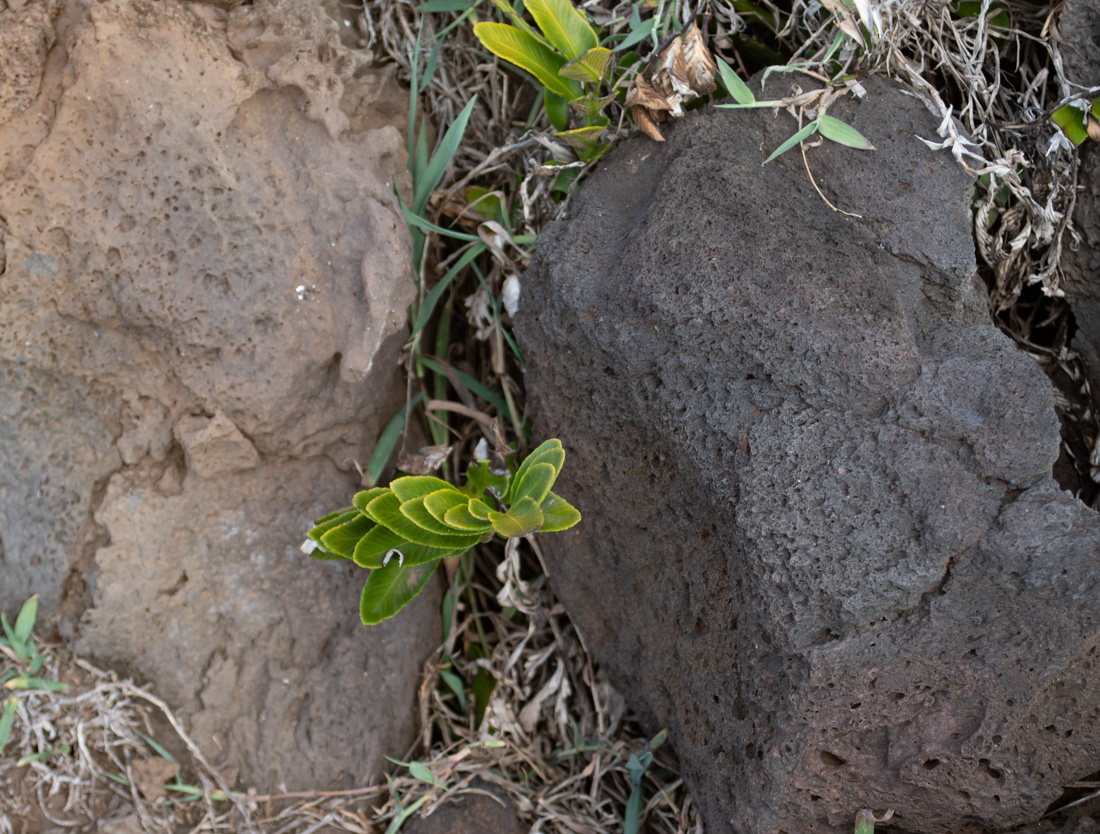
(402, 532)
(831, 128)
(19, 646)
(564, 56)
(637, 765)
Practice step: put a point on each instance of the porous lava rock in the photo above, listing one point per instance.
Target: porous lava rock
(821, 542)
(1079, 24)
(203, 286)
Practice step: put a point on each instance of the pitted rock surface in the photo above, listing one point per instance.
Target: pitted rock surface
(821, 543)
(204, 275)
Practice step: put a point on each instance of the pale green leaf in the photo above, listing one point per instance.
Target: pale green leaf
(343, 538)
(536, 483)
(386, 510)
(525, 52)
(803, 134)
(558, 514)
(439, 502)
(429, 176)
(461, 518)
(564, 26)
(734, 85)
(523, 517)
(841, 133)
(589, 67)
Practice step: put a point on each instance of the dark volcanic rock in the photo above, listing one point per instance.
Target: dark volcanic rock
(821, 542)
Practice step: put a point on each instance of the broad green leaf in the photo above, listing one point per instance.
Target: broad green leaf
(417, 486)
(525, 52)
(558, 514)
(388, 440)
(1074, 121)
(373, 548)
(416, 512)
(432, 173)
(6, 721)
(461, 518)
(484, 202)
(536, 483)
(557, 110)
(805, 133)
(589, 67)
(437, 503)
(517, 20)
(479, 509)
(386, 510)
(342, 539)
(390, 589)
(24, 622)
(734, 85)
(523, 517)
(480, 478)
(363, 498)
(564, 26)
(549, 452)
(843, 134)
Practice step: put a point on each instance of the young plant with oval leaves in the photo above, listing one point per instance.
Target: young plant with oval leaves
(402, 532)
(564, 55)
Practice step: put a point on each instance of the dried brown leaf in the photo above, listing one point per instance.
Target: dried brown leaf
(645, 123)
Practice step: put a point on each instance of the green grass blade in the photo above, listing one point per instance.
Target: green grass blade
(446, 6)
(471, 384)
(437, 291)
(161, 751)
(734, 85)
(24, 623)
(429, 178)
(429, 226)
(383, 449)
(843, 134)
(803, 134)
(7, 719)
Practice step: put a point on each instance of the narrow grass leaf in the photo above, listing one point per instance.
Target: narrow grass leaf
(24, 623)
(432, 298)
(391, 588)
(446, 6)
(734, 85)
(7, 719)
(418, 770)
(383, 449)
(428, 226)
(472, 384)
(564, 26)
(638, 34)
(523, 50)
(14, 642)
(159, 748)
(805, 133)
(432, 173)
(454, 683)
(842, 133)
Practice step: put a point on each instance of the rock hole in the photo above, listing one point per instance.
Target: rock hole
(931, 764)
(831, 759)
